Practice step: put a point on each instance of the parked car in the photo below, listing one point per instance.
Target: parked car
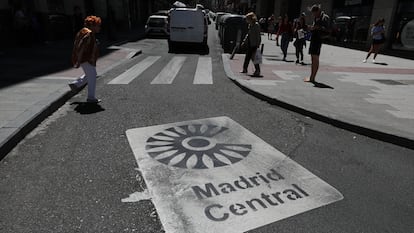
(187, 25)
(157, 25)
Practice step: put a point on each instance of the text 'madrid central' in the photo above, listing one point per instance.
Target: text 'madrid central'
(213, 175)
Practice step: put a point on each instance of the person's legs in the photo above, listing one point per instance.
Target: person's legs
(256, 66)
(284, 45)
(315, 51)
(315, 67)
(376, 50)
(301, 54)
(90, 72)
(247, 59)
(296, 50)
(80, 81)
(301, 51)
(371, 49)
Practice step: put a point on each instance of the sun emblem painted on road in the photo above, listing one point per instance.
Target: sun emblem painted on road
(194, 146)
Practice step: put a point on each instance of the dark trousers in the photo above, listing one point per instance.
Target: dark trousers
(250, 54)
(299, 43)
(284, 44)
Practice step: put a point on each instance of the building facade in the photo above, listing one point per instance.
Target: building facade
(48, 20)
(398, 15)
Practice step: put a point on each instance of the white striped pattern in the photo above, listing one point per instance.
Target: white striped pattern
(204, 73)
(135, 71)
(167, 75)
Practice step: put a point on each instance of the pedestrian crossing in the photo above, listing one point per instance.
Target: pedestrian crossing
(203, 73)
(135, 71)
(170, 71)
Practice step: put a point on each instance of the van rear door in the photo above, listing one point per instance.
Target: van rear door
(187, 25)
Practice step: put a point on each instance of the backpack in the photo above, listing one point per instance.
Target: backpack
(328, 25)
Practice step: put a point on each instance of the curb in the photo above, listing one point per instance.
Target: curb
(372, 133)
(25, 124)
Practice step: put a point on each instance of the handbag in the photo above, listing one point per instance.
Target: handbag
(258, 59)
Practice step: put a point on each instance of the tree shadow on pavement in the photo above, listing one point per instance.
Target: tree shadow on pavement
(322, 85)
(85, 108)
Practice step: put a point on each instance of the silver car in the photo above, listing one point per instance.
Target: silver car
(157, 25)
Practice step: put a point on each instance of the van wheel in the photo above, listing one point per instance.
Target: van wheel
(204, 48)
(171, 47)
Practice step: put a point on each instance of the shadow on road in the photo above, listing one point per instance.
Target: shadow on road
(381, 63)
(85, 108)
(184, 48)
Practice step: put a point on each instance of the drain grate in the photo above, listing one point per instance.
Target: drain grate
(389, 82)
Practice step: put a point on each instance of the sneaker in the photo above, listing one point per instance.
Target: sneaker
(243, 71)
(93, 101)
(373, 60)
(72, 86)
(364, 61)
(297, 62)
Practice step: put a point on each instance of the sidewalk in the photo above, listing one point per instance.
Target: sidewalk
(376, 100)
(34, 83)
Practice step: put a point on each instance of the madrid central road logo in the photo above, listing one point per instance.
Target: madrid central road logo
(195, 147)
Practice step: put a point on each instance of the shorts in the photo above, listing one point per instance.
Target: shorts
(315, 47)
(380, 41)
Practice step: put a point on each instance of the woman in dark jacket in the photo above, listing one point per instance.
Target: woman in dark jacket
(253, 41)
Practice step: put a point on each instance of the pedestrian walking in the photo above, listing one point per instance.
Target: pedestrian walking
(85, 54)
(299, 31)
(285, 30)
(319, 29)
(378, 39)
(253, 41)
(270, 27)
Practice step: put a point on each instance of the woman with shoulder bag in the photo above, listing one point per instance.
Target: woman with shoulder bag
(299, 30)
(252, 41)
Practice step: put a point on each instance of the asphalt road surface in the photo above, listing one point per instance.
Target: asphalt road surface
(72, 172)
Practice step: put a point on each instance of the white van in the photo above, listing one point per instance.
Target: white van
(187, 25)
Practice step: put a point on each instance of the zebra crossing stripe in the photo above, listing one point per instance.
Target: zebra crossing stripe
(167, 75)
(203, 73)
(135, 71)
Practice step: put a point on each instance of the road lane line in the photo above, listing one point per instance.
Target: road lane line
(204, 73)
(167, 75)
(135, 71)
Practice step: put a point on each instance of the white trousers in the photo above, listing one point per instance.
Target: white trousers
(89, 77)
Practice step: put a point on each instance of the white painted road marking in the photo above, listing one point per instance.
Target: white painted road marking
(135, 71)
(167, 75)
(204, 74)
(213, 175)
